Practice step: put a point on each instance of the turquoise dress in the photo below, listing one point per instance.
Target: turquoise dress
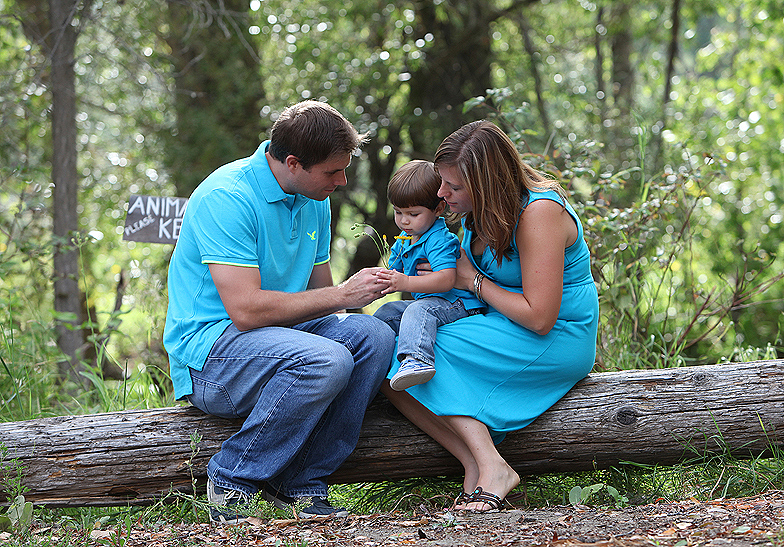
(502, 374)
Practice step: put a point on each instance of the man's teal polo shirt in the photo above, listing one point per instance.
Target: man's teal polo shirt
(238, 215)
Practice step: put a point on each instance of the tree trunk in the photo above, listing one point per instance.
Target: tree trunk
(672, 56)
(456, 68)
(622, 146)
(531, 51)
(67, 295)
(622, 68)
(219, 90)
(643, 416)
(601, 93)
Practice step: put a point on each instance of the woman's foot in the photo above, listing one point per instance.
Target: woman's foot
(469, 485)
(460, 501)
(492, 489)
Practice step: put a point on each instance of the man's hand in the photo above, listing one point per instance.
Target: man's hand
(363, 287)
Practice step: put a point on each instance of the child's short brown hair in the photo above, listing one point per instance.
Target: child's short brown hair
(415, 184)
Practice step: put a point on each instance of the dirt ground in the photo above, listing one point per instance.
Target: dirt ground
(754, 521)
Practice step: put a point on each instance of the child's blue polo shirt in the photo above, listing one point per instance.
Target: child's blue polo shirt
(238, 215)
(439, 247)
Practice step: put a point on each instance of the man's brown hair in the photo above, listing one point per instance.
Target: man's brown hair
(313, 132)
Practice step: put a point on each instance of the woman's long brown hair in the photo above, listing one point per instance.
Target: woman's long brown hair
(498, 180)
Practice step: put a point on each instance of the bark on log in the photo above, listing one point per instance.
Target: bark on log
(643, 416)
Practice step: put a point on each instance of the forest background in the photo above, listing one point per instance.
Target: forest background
(662, 119)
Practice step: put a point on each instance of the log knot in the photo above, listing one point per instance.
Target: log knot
(626, 415)
(701, 378)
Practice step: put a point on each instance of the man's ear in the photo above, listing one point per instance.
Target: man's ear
(292, 163)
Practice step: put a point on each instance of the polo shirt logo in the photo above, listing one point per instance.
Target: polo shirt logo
(312, 235)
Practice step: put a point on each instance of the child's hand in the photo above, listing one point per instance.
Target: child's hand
(396, 281)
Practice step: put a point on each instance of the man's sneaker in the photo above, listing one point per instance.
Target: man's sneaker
(320, 507)
(411, 373)
(278, 499)
(224, 504)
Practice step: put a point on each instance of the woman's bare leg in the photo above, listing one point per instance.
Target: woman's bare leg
(465, 438)
(438, 429)
(495, 475)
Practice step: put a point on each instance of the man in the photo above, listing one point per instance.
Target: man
(252, 329)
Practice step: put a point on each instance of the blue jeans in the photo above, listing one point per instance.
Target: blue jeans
(303, 392)
(416, 323)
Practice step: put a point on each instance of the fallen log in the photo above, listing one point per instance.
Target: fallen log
(642, 416)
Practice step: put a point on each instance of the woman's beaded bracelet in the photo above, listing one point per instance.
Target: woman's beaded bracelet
(478, 286)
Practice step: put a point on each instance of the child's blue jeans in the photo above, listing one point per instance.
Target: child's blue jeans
(416, 323)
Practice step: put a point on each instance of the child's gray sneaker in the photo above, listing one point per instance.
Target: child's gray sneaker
(411, 373)
(224, 504)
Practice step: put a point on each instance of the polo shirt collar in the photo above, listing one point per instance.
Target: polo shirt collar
(435, 227)
(268, 185)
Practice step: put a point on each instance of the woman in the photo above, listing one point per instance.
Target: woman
(523, 255)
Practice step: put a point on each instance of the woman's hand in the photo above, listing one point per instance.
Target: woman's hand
(424, 268)
(465, 273)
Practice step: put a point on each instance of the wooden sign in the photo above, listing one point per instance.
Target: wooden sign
(154, 219)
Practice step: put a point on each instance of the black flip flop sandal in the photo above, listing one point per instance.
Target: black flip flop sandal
(488, 498)
(462, 498)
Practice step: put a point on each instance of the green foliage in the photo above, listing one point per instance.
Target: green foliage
(19, 515)
(579, 495)
(403, 495)
(119, 537)
(11, 475)
(663, 301)
(196, 439)
(683, 222)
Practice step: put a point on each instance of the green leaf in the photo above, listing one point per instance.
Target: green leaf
(575, 495)
(27, 514)
(472, 103)
(20, 513)
(66, 317)
(588, 491)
